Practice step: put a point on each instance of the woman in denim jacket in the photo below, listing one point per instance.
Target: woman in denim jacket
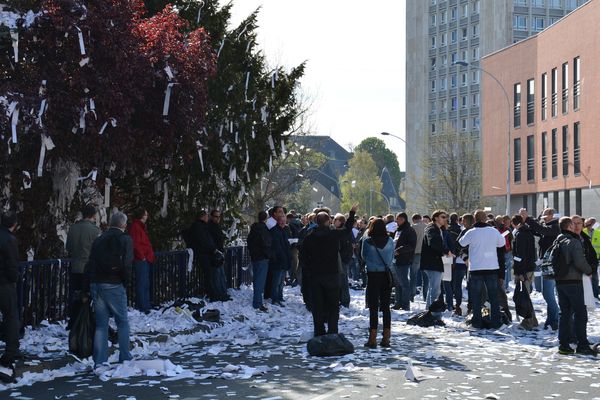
(378, 253)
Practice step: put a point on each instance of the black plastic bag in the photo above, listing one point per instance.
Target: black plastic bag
(425, 319)
(333, 344)
(523, 304)
(81, 335)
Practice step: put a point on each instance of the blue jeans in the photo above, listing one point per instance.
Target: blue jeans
(434, 285)
(508, 262)
(110, 300)
(259, 280)
(453, 289)
(415, 274)
(354, 269)
(572, 304)
(142, 285)
(548, 291)
(476, 284)
(277, 285)
(403, 286)
(218, 284)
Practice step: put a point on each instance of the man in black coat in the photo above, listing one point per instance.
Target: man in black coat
(281, 259)
(9, 274)
(405, 244)
(259, 246)
(524, 255)
(320, 255)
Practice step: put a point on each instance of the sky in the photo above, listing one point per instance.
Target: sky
(355, 53)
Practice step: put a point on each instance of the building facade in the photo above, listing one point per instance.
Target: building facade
(442, 97)
(553, 85)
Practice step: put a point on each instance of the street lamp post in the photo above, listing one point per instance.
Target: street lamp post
(466, 64)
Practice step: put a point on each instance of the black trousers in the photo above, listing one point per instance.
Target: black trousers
(325, 302)
(10, 321)
(378, 298)
(75, 284)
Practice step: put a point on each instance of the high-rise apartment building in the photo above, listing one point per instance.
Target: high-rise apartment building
(444, 97)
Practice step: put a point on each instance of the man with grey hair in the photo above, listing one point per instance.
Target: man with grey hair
(109, 271)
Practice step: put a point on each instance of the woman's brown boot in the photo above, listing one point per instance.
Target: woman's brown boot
(372, 342)
(385, 341)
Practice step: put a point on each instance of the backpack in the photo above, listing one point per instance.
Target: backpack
(555, 263)
(112, 260)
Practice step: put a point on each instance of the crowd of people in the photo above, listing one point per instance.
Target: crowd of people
(394, 258)
(435, 257)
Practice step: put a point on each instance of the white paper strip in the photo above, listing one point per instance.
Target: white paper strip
(14, 35)
(107, 185)
(264, 114)
(13, 124)
(26, 180)
(167, 99)
(199, 147)
(232, 174)
(169, 72)
(41, 112)
(271, 143)
(190, 262)
(247, 83)
(165, 203)
(588, 293)
(84, 61)
(102, 128)
(283, 150)
(47, 145)
(221, 48)
(81, 44)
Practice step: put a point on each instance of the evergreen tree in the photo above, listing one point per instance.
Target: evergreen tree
(383, 157)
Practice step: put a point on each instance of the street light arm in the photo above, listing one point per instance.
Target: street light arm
(391, 134)
(386, 199)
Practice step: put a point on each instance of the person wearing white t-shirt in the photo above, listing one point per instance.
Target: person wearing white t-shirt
(483, 241)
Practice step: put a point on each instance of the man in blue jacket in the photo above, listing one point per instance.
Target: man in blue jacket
(281, 259)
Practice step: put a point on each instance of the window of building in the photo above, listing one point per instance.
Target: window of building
(475, 53)
(453, 81)
(443, 39)
(530, 101)
(565, 150)
(464, 79)
(433, 60)
(443, 83)
(475, 99)
(475, 30)
(576, 149)
(444, 105)
(517, 160)
(565, 88)
(432, 85)
(432, 19)
(464, 10)
(476, 7)
(464, 56)
(475, 76)
(567, 207)
(433, 2)
(530, 158)
(433, 42)
(453, 36)
(521, 2)
(464, 34)
(464, 103)
(453, 13)
(432, 107)
(554, 92)
(443, 17)
(537, 24)
(544, 96)
(578, 202)
(433, 128)
(544, 155)
(570, 4)
(517, 105)
(463, 124)
(576, 82)
(554, 154)
(475, 123)
(520, 22)
(445, 60)
(453, 57)
(554, 20)
(454, 102)
(537, 3)
(554, 4)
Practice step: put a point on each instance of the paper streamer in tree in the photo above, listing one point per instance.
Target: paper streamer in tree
(199, 147)
(113, 123)
(271, 144)
(247, 83)
(165, 203)
(92, 175)
(26, 180)
(201, 6)
(221, 48)
(232, 174)
(283, 150)
(14, 35)
(47, 145)
(107, 185)
(13, 113)
(81, 44)
(167, 99)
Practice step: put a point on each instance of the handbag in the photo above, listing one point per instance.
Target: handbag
(388, 271)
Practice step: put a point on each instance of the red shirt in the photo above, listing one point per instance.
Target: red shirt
(142, 248)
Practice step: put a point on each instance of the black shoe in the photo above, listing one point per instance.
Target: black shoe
(565, 350)
(278, 303)
(263, 309)
(7, 372)
(586, 351)
(397, 307)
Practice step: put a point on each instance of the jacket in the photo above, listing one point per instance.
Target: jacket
(461, 253)
(420, 230)
(524, 255)
(99, 250)
(142, 248)
(547, 231)
(377, 259)
(202, 241)
(321, 248)
(346, 248)
(406, 243)
(483, 241)
(259, 242)
(590, 252)
(594, 235)
(79, 243)
(432, 249)
(9, 250)
(281, 251)
(575, 258)
(217, 235)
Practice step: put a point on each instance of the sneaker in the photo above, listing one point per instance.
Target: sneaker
(587, 351)
(565, 350)
(7, 373)
(263, 309)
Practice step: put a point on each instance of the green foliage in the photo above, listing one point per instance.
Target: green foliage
(383, 157)
(361, 183)
(300, 200)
